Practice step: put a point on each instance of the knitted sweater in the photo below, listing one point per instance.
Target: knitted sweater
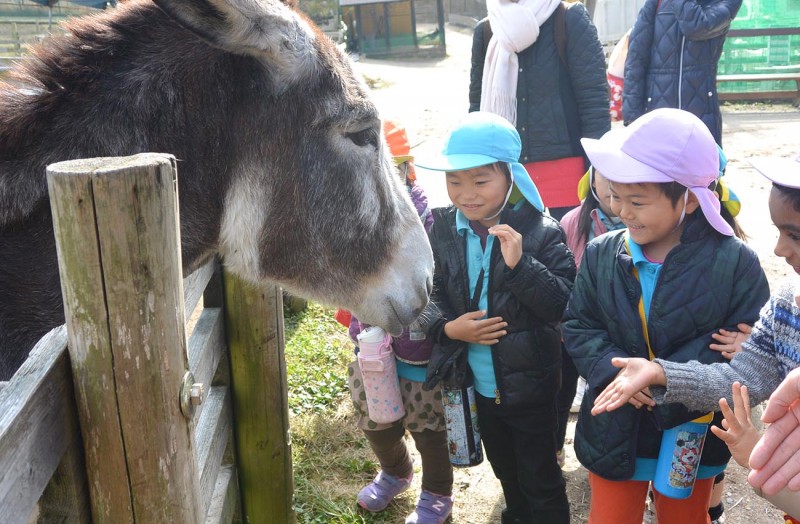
(771, 352)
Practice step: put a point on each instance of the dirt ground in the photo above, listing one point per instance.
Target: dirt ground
(429, 96)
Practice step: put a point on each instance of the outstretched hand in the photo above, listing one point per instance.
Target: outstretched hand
(730, 342)
(510, 243)
(473, 328)
(776, 458)
(630, 385)
(737, 429)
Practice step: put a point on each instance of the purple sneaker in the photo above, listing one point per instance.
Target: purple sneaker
(431, 509)
(376, 495)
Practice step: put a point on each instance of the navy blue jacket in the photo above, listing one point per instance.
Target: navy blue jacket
(707, 282)
(672, 58)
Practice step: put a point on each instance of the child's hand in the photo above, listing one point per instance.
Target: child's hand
(630, 385)
(510, 243)
(730, 342)
(471, 327)
(739, 433)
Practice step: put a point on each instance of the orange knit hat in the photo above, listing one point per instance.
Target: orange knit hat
(397, 139)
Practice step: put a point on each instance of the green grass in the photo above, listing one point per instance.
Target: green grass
(331, 458)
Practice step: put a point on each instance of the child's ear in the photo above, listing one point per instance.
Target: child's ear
(691, 203)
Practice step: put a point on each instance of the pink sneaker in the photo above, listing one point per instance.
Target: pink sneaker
(376, 495)
(431, 509)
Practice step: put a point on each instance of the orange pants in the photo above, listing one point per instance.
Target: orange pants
(622, 502)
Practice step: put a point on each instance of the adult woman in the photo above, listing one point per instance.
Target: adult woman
(540, 65)
(672, 59)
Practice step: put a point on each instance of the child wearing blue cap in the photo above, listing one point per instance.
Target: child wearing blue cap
(660, 289)
(503, 276)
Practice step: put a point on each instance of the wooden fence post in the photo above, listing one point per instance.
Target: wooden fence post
(116, 225)
(254, 326)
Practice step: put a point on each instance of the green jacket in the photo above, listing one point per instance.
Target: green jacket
(708, 282)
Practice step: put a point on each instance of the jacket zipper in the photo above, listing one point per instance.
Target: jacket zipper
(497, 397)
(680, 75)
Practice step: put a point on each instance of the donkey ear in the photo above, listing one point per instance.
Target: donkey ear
(266, 29)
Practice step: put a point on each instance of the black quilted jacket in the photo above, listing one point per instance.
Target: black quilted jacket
(672, 58)
(531, 298)
(708, 282)
(556, 105)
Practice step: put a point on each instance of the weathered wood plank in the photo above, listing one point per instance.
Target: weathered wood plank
(206, 348)
(225, 500)
(195, 284)
(66, 498)
(38, 423)
(254, 328)
(74, 222)
(211, 439)
(764, 31)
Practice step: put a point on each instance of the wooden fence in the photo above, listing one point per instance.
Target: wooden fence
(116, 417)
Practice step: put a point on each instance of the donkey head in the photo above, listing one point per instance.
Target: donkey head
(313, 202)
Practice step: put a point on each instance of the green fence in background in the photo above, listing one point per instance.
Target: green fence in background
(762, 54)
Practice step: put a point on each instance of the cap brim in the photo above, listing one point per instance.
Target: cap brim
(710, 205)
(526, 186)
(782, 171)
(457, 162)
(606, 156)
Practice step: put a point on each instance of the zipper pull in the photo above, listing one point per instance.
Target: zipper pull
(496, 396)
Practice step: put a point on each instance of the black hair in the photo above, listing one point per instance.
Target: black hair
(675, 191)
(503, 167)
(585, 221)
(789, 194)
(672, 190)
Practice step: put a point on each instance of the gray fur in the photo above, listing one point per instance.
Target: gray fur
(282, 167)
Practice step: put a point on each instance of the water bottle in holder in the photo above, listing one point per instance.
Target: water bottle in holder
(379, 373)
(463, 432)
(679, 457)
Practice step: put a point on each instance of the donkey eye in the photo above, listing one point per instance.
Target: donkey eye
(364, 137)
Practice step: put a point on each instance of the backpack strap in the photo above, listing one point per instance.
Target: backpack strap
(560, 32)
(487, 35)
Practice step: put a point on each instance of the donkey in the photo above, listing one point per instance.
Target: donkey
(282, 166)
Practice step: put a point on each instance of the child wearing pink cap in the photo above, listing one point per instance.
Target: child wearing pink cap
(768, 356)
(659, 289)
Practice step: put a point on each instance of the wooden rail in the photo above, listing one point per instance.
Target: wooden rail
(787, 73)
(92, 428)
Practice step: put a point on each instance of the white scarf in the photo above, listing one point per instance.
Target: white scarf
(515, 27)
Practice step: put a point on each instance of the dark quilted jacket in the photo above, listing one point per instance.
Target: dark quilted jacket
(707, 282)
(554, 112)
(531, 298)
(672, 58)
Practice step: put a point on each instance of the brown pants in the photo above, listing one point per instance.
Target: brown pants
(390, 448)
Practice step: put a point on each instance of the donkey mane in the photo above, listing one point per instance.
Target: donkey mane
(282, 168)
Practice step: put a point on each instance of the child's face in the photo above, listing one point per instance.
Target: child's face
(603, 192)
(787, 220)
(478, 192)
(652, 221)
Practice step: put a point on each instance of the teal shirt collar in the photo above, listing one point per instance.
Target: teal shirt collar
(637, 254)
(462, 223)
